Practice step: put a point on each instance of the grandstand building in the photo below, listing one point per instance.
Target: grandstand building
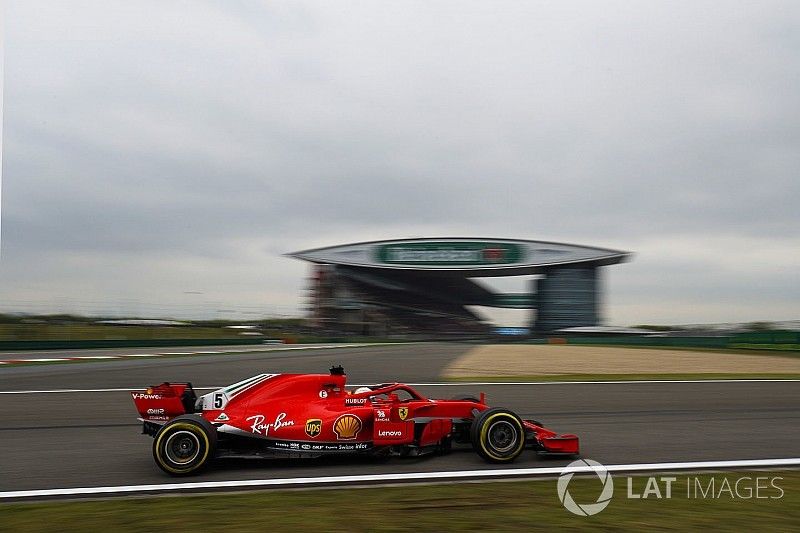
(427, 286)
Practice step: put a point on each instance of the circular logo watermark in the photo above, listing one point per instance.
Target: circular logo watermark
(584, 466)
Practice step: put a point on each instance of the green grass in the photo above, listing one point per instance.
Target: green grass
(741, 349)
(94, 332)
(624, 377)
(508, 506)
(80, 332)
(768, 347)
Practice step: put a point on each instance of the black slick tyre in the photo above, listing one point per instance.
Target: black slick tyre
(184, 445)
(497, 435)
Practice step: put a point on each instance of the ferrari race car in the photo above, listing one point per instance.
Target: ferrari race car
(310, 415)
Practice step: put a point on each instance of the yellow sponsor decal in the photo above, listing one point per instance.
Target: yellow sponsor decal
(347, 427)
(313, 427)
(402, 412)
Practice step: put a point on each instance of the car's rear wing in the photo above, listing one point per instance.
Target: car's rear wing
(164, 402)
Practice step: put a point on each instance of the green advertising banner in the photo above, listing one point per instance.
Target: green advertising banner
(514, 301)
(450, 253)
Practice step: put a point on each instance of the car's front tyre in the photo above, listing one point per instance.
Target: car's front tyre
(498, 435)
(184, 445)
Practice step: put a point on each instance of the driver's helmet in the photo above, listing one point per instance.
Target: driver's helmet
(361, 389)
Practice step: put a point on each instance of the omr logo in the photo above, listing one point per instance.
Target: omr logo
(584, 466)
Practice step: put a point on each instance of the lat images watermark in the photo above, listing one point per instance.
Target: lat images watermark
(591, 508)
(692, 487)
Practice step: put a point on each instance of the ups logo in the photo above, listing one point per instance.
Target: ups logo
(313, 427)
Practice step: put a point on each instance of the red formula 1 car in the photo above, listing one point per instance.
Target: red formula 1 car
(310, 415)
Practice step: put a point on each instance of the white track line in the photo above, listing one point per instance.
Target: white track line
(264, 348)
(43, 360)
(69, 391)
(394, 477)
(446, 384)
(610, 382)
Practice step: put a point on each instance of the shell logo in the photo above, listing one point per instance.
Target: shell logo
(347, 427)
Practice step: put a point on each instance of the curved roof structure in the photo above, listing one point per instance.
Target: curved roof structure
(463, 256)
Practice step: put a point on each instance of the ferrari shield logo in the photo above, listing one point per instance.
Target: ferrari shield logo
(402, 412)
(313, 427)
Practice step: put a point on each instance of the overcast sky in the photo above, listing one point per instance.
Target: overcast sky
(160, 157)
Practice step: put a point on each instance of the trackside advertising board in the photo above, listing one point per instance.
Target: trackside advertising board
(445, 253)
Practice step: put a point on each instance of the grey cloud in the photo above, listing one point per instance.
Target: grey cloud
(214, 137)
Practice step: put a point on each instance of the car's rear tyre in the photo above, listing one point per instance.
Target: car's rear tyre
(498, 435)
(184, 445)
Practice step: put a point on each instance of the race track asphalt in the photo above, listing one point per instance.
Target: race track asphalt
(56, 440)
